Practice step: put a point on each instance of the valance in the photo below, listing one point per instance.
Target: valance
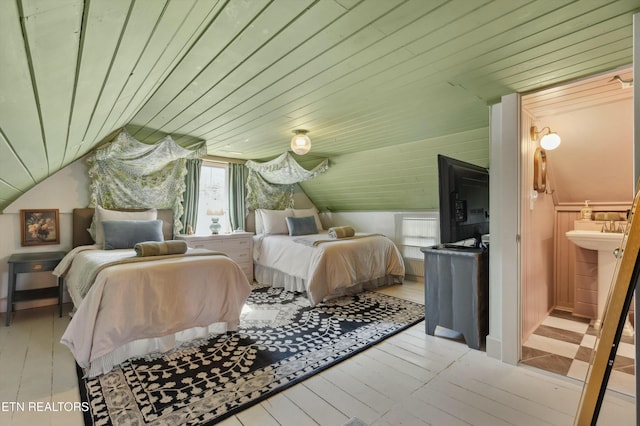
(130, 174)
(270, 185)
(284, 170)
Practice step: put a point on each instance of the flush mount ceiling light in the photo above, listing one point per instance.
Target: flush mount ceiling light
(300, 143)
(549, 141)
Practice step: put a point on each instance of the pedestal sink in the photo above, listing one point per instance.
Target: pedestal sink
(604, 243)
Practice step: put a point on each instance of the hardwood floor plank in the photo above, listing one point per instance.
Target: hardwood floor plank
(285, 412)
(256, 415)
(400, 362)
(341, 377)
(397, 385)
(315, 406)
(343, 401)
(427, 413)
(445, 399)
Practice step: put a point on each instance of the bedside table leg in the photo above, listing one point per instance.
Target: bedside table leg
(10, 289)
(60, 293)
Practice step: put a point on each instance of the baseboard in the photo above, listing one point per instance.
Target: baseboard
(494, 347)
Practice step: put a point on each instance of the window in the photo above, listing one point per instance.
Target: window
(416, 230)
(214, 200)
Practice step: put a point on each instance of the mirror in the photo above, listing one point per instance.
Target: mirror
(540, 170)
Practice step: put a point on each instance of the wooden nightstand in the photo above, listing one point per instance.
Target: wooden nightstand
(33, 262)
(237, 245)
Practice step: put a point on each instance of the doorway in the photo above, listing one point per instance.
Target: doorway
(594, 117)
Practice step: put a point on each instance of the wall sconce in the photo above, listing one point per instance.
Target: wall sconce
(549, 141)
(300, 143)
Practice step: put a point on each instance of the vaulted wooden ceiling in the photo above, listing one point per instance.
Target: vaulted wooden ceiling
(242, 74)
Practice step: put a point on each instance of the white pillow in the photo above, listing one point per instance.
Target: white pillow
(309, 212)
(257, 217)
(273, 221)
(102, 214)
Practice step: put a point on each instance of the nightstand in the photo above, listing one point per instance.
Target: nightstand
(33, 262)
(237, 245)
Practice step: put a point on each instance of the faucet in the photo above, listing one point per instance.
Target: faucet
(611, 227)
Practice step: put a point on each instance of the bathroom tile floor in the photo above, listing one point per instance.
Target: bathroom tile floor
(563, 344)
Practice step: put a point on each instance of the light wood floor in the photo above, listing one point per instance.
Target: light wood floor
(410, 378)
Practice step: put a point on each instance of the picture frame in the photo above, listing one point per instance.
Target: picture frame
(39, 227)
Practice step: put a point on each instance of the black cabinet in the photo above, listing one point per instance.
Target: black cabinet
(457, 291)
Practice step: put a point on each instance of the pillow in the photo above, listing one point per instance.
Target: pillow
(257, 217)
(101, 214)
(273, 221)
(159, 248)
(309, 212)
(302, 225)
(124, 234)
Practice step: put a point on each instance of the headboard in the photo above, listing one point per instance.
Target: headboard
(82, 221)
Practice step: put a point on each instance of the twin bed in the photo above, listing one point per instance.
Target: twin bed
(130, 306)
(307, 259)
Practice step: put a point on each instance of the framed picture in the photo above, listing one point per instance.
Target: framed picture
(39, 227)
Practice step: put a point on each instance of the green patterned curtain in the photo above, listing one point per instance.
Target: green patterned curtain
(191, 194)
(236, 191)
(127, 173)
(270, 184)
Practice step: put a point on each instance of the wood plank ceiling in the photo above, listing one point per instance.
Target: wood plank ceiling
(242, 74)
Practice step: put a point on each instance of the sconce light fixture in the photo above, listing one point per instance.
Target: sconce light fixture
(300, 143)
(549, 141)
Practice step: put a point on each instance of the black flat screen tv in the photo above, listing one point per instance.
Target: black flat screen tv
(463, 190)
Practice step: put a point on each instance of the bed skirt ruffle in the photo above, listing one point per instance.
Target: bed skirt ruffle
(152, 347)
(275, 278)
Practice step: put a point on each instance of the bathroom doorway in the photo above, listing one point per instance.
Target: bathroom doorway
(594, 118)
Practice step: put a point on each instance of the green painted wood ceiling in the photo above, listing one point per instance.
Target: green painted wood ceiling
(242, 74)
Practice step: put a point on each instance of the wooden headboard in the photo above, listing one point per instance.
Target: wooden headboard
(82, 221)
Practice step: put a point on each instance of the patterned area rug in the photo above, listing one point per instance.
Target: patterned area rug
(281, 341)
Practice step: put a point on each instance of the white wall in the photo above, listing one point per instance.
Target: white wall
(65, 190)
(374, 222)
(595, 160)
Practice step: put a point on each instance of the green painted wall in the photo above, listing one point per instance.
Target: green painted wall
(401, 177)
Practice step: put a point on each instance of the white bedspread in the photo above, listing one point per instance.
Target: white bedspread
(128, 303)
(330, 266)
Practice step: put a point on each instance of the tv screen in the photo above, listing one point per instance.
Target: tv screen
(463, 190)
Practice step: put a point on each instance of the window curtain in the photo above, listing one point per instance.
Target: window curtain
(191, 194)
(236, 192)
(127, 173)
(270, 185)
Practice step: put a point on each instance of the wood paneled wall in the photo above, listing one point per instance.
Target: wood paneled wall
(398, 178)
(565, 260)
(537, 242)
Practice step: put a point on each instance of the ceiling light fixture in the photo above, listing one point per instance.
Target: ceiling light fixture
(549, 141)
(300, 143)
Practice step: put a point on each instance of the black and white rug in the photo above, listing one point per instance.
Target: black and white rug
(281, 341)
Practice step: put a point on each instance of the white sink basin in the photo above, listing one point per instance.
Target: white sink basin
(604, 243)
(596, 240)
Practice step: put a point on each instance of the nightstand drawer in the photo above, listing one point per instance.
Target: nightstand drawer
(238, 246)
(35, 266)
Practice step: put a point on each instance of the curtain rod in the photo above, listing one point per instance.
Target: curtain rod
(216, 159)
